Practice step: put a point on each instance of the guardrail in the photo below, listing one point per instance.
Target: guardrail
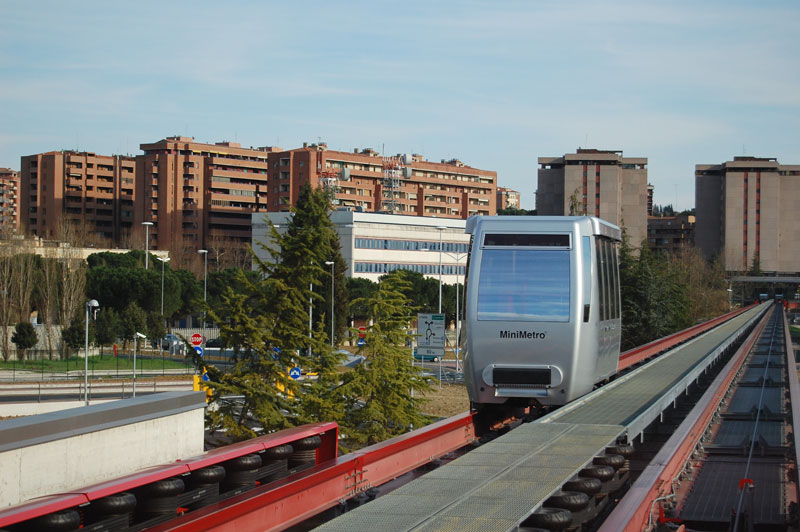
(44, 391)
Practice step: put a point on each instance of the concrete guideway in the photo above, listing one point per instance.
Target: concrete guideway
(500, 484)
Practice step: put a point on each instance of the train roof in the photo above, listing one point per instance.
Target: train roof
(587, 224)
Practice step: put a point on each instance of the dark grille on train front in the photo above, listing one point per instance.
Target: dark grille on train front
(526, 239)
(503, 376)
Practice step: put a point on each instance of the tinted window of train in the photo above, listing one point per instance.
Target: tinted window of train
(527, 240)
(524, 285)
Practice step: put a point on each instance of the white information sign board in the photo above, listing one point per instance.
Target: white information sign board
(430, 331)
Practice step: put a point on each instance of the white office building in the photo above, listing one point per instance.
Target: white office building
(374, 244)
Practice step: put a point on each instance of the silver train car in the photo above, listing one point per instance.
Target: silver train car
(542, 308)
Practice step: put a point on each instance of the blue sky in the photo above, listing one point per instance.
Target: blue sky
(495, 84)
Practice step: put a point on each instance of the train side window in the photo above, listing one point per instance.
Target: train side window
(608, 284)
(612, 299)
(587, 276)
(601, 278)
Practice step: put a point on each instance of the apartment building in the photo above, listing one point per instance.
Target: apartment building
(195, 193)
(599, 183)
(94, 190)
(365, 181)
(670, 234)
(507, 198)
(747, 211)
(9, 200)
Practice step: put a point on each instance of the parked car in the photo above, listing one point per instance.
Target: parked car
(214, 342)
(425, 358)
(170, 343)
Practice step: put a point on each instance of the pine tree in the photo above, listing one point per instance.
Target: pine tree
(381, 403)
(266, 321)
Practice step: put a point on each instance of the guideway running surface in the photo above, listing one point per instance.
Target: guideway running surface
(498, 485)
(492, 488)
(622, 402)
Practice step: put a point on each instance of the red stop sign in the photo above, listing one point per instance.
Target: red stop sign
(197, 339)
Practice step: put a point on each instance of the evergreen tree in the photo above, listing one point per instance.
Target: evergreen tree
(266, 321)
(74, 336)
(107, 327)
(24, 337)
(654, 297)
(379, 391)
(132, 320)
(322, 307)
(360, 290)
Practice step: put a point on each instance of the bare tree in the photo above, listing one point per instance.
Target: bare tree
(49, 277)
(23, 275)
(73, 288)
(72, 277)
(80, 233)
(225, 252)
(6, 310)
(576, 204)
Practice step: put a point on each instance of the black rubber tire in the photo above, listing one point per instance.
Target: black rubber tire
(574, 501)
(241, 478)
(550, 518)
(523, 528)
(159, 505)
(164, 488)
(61, 520)
(590, 486)
(602, 472)
(281, 452)
(207, 475)
(247, 462)
(614, 460)
(307, 443)
(625, 449)
(119, 503)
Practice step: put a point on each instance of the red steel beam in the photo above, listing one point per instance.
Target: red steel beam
(281, 504)
(633, 512)
(328, 431)
(643, 352)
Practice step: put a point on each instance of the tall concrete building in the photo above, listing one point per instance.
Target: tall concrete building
(365, 181)
(95, 190)
(9, 200)
(599, 183)
(747, 210)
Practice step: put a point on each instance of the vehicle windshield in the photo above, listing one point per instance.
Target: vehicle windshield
(524, 285)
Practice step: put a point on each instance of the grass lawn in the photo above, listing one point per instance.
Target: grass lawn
(96, 363)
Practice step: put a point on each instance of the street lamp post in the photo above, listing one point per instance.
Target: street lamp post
(160, 343)
(331, 264)
(91, 304)
(147, 244)
(204, 253)
(440, 228)
(163, 261)
(135, 337)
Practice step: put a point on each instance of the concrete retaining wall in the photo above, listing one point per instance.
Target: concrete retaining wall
(70, 449)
